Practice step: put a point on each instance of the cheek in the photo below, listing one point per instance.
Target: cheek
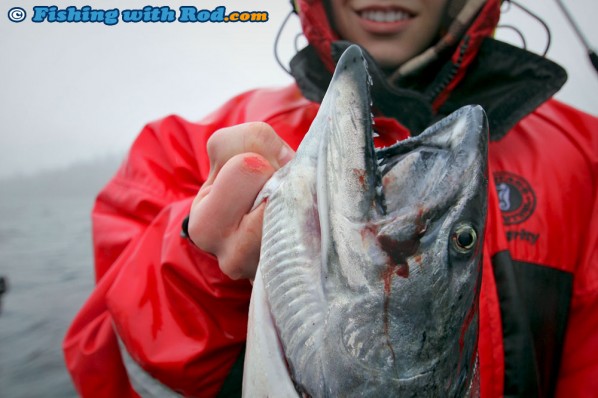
(340, 19)
(435, 12)
(425, 36)
(427, 30)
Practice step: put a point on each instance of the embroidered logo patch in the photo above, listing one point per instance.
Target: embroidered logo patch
(517, 200)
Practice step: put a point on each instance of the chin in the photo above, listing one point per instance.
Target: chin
(386, 63)
(388, 58)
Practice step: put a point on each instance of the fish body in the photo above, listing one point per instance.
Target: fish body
(370, 264)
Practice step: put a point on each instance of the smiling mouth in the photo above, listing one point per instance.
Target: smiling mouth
(384, 15)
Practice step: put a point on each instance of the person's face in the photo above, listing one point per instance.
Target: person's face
(393, 31)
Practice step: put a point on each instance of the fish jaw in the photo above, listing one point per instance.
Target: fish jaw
(296, 234)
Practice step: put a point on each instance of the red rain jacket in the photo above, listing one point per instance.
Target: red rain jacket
(185, 322)
(164, 308)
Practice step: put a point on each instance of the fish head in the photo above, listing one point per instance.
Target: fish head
(404, 228)
(427, 245)
(371, 258)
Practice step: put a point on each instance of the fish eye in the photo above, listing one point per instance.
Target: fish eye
(464, 238)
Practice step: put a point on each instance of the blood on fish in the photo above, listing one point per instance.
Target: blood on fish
(387, 276)
(417, 259)
(368, 231)
(398, 251)
(389, 180)
(360, 174)
(473, 310)
(466, 323)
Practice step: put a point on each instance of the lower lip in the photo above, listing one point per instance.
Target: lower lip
(384, 28)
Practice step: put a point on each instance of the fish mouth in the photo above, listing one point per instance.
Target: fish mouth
(443, 156)
(411, 181)
(371, 172)
(401, 196)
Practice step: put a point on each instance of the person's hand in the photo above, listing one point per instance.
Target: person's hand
(242, 159)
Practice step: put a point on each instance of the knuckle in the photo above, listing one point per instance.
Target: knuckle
(241, 259)
(231, 269)
(264, 131)
(253, 137)
(215, 142)
(199, 238)
(260, 135)
(204, 238)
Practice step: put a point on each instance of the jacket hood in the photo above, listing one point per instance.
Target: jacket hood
(466, 66)
(468, 23)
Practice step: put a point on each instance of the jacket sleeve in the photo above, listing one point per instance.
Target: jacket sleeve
(157, 295)
(579, 366)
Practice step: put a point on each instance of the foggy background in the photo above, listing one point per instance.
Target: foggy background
(79, 91)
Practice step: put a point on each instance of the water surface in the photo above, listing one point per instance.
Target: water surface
(45, 254)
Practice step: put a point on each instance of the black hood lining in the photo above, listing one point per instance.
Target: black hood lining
(508, 82)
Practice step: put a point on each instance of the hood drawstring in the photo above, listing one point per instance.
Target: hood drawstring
(460, 15)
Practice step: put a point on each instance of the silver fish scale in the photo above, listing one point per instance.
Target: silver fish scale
(290, 290)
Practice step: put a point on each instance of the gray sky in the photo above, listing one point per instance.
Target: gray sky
(76, 91)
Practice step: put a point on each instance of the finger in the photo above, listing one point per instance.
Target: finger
(255, 137)
(240, 258)
(216, 216)
(203, 192)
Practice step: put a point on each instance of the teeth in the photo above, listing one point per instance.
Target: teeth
(384, 16)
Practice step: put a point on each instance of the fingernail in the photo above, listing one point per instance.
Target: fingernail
(285, 155)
